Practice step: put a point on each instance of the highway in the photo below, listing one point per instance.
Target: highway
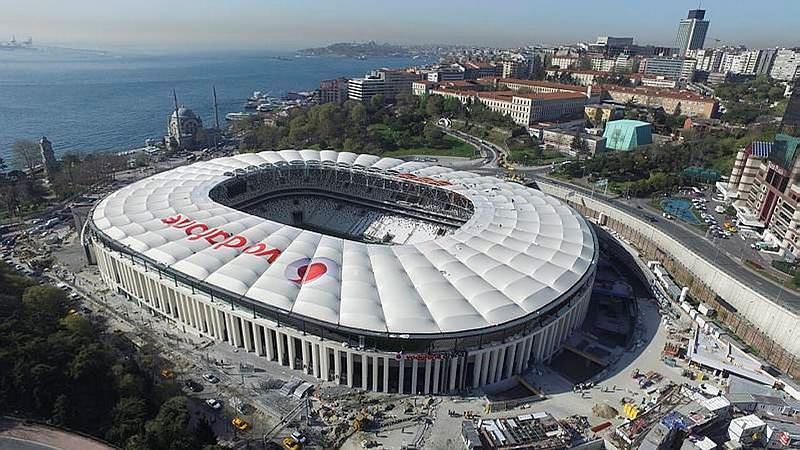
(698, 244)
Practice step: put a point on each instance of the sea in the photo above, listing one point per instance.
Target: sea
(86, 101)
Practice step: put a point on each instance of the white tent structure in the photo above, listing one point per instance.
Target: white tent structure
(523, 259)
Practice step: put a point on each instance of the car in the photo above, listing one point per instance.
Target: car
(214, 404)
(291, 444)
(193, 385)
(299, 437)
(240, 423)
(211, 378)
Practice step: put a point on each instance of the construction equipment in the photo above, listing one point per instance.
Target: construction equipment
(362, 419)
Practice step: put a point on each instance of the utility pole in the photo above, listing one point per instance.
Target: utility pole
(216, 118)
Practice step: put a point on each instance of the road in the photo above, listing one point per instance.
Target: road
(708, 249)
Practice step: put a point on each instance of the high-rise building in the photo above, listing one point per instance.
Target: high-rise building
(691, 32)
(388, 83)
(786, 65)
(791, 118)
(766, 58)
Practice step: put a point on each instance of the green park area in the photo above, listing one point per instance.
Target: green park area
(59, 367)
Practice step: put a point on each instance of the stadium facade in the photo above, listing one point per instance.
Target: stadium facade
(372, 272)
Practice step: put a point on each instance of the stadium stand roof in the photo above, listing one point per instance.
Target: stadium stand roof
(518, 254)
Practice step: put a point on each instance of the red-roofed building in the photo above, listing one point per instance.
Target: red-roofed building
(691, 104)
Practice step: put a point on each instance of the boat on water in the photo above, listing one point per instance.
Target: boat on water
(234, 116)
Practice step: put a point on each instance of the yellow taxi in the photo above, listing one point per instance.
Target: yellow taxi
(290, 443)
(240, 423)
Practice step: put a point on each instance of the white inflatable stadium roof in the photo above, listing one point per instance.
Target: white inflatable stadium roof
(519, 252)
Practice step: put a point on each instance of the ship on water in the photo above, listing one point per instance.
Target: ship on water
(13, 44)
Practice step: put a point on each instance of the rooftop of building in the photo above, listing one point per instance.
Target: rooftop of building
(656, 92)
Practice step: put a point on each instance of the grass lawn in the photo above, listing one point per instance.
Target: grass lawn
(457, 148)
(548, 156)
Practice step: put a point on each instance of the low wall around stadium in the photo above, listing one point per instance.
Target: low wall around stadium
(770, 329)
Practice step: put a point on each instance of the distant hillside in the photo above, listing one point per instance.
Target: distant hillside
(356, 49)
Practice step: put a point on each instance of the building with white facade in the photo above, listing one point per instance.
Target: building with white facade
(387, 83)
(500, 283)
(786, 65)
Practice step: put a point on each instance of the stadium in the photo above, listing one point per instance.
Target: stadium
(372, 272)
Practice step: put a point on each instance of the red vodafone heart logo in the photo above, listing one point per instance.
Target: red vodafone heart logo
(310, 272)
(306, 270)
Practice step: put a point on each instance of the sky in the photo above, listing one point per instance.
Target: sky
(201, 25)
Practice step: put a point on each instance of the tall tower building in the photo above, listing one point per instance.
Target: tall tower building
(791, 118)
(691, 32)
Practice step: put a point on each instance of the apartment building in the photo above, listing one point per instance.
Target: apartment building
(764, 186)
(333, 91)
(478, 69)
(674, 68)
(690, 103)
(786, 65)
(388, 83)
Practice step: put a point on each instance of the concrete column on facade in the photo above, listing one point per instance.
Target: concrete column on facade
(436, 376)
(540, 338)
(524, 355)
(485, 366)
(426, 388)
(414, 367)
(401, 374)
(306, 357)
(237, 331)
(220, 321)
(337, 366)
(349, 360)
(270, 342)
(492, 366)
(324, 362)
(292, 350)
(229, 328)
(364, 370)
(279, 341)
(501, 358)
(385, 374)
(258, 330)
(200, 325)
(248, 337)
(375, 366)
(511, 356)
(315, 359)
(451, 386)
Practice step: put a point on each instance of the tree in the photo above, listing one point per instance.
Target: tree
(434, 106)
(129, 417)
(576, 143)
(796, 279)
(203, 434)
(168, 429)
(677, 112)
(26, 155)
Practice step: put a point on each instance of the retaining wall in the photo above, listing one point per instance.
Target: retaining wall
(772, 331)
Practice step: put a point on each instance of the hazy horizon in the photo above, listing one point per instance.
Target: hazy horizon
(187, 26)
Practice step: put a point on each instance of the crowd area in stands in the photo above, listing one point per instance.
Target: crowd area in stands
(353, 221)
